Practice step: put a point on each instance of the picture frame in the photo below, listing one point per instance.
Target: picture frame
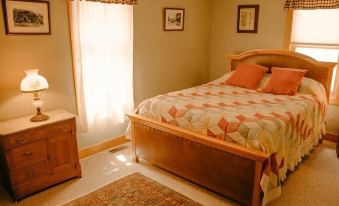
(248, 17)
(26, 17)
(174, 19)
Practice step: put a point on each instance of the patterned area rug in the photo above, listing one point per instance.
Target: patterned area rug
(134, 190)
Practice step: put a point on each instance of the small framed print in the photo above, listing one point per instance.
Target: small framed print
(174, 19)
(26, 17)
(248, 16)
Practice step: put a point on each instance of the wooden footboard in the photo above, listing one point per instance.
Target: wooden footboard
(226, 168)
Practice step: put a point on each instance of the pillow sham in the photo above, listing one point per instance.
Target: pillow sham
(247, 76)
(284, 81)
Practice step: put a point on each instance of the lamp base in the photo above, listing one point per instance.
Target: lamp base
(39, 118)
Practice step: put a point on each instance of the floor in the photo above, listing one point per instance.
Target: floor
(315, 182)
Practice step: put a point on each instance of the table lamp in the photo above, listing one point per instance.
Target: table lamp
(34, 83)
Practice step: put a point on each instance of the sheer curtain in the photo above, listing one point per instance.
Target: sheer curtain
(102, 43)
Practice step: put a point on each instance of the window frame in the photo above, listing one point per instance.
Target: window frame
(288, 45)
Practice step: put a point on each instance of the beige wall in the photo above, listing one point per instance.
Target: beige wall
(226, 40)
(50, 54)
(271, 31)
(333, 119)
(164, 61)
(168, 61)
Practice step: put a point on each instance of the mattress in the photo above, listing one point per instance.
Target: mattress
(287, 127)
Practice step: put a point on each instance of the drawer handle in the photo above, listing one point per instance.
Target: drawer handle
(22, 140)
(64, 129)
(31, 174)
(28, 153)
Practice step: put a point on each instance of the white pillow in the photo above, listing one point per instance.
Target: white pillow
(312, 87)
(223, 78)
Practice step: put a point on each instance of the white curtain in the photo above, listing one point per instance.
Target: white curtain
(102, 43)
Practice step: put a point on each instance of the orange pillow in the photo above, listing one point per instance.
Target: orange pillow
(284, 81)
(247, 76)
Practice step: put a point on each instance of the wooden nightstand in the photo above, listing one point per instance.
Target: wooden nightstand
(37, 155)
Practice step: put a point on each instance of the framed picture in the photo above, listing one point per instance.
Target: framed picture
(248, 16)
(26, 17)
(174, 19)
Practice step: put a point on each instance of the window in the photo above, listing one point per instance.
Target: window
(102, 42)
(315, 33)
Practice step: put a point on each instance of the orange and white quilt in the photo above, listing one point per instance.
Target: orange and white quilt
(287, 127)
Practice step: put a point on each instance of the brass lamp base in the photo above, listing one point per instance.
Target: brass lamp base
(39, 118)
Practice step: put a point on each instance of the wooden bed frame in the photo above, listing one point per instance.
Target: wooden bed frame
(226, 168)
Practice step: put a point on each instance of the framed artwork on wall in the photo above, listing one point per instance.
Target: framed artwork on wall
(26, 17)
(174, 19)
(248, 16)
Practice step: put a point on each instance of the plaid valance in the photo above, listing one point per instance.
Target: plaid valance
(129, 2)
(311, 4)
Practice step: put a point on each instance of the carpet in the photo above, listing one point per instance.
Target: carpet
(133, 190)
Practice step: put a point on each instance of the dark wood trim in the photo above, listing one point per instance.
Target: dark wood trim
(4, 8)
(331, 137)
(256, 18)
(183, 21)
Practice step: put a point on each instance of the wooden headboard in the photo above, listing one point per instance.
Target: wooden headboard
(319, 71)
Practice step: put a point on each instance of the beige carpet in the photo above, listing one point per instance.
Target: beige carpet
(315, 182)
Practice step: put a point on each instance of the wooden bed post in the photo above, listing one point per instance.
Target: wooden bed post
(256, 189)
(134, 155)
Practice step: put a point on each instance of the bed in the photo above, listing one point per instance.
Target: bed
(248, 170)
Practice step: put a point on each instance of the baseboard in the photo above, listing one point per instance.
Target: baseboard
(85, 152)
(331, 137)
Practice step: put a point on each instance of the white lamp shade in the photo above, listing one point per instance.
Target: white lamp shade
(33, 82)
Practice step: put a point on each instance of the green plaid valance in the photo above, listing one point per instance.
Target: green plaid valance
(311, 4)
(129, 2)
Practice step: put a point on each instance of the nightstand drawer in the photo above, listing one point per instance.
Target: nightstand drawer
(28, 154)
(30, 173)
(35, 134)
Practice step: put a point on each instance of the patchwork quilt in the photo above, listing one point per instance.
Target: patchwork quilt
(287, 127)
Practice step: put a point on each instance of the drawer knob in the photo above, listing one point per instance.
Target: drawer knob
(64, 129)
(28, 153)
(31, 173)
(21, 140)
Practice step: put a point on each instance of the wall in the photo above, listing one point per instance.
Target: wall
(171, 60)
(271, 31)
(164, 61)
(51, 54)
(226, 40)
(333, 119)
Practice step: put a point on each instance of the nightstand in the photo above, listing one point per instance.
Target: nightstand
(37, 155)
(337, 146)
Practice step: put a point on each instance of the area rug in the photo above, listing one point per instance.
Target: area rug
(134, 190)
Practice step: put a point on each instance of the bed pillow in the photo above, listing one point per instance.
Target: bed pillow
(247, 76)
(223, 78)
(264, 82)
(314, 88)
(284, 81)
